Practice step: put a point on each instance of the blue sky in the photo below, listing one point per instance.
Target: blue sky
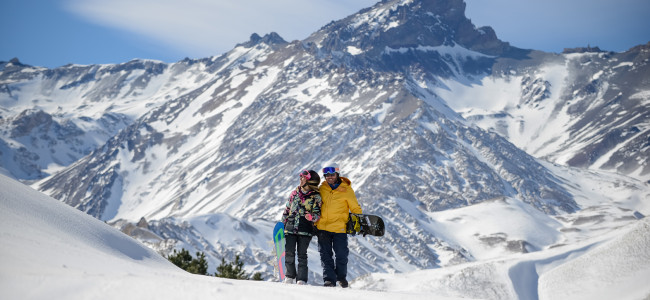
(53, 33)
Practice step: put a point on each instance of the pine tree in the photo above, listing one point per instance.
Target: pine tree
(231, 270)
(181, 259)
(257, 276)
(184, 260)
(199, 265)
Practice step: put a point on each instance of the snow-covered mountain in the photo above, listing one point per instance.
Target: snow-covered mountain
(584, 108)
(50, 118)
(426, 113)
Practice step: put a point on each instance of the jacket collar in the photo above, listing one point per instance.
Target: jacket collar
(344, 181)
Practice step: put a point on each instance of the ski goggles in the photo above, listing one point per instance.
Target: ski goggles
(330, 170)
(305, 174)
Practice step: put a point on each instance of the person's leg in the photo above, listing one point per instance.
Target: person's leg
(326, 256)
(340, 243)
(303, 269)
(290, 255)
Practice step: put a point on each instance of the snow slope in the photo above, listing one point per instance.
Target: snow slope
(618, 269)
(49, 250)
(612, 266)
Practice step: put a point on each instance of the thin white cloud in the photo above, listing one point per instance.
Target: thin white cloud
(208, 27)
(202, 28)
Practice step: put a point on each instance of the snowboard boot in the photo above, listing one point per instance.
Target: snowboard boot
(344, 283)
(329, 284)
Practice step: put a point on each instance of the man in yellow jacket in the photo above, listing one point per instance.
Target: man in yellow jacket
(338, 201)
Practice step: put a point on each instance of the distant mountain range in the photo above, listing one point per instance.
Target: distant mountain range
(423, 111)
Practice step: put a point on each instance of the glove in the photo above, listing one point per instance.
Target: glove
(311, 218)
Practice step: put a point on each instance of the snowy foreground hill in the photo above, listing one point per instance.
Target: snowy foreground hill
(49, 250)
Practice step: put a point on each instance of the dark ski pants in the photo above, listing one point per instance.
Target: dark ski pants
(301, 242)
(330, 243)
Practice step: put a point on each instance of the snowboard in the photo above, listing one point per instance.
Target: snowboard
(365, 224)
(278, 240)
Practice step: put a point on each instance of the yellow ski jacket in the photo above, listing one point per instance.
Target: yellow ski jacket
(337, 204)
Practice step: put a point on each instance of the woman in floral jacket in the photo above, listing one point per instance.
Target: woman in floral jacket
(301, 212)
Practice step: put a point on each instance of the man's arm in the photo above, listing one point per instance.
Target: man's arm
(355, 208)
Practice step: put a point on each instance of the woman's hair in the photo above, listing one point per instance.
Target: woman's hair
(314, 181)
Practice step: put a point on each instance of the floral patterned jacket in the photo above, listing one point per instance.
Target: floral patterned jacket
(301, 211)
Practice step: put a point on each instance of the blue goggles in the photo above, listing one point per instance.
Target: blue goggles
(330, 170)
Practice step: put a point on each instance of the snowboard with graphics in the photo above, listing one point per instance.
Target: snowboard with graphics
(365, 224)
(278, 241)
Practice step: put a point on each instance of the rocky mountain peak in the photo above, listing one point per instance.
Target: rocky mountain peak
(271, 39)
(13, 70)
(12, 62)
(402, 24)
(587, 49)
